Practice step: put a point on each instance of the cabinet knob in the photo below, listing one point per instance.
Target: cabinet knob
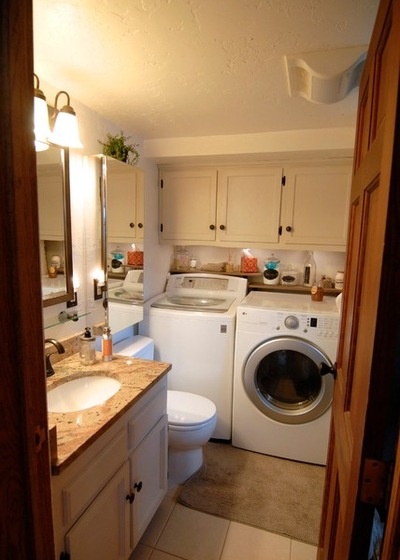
(131, 225)
(222, 227)
(130, 497)
(140, 225)
(288, 228)
(212, 226)
(138, 486)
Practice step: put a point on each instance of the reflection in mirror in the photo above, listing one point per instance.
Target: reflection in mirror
(122, 239)
(55, 225)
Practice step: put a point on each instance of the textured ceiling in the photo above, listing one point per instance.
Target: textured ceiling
(176, 68)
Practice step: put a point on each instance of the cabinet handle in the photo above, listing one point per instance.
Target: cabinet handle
(140, 225)
(138, 486)
(222, 227)
(288, 228)
(212, 226)
(130, 497)
(131, 225)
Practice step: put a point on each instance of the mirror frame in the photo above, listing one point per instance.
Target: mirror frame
(69, 294)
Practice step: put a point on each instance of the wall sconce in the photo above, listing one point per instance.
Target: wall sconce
(65, 130)
(99, 284)
(41, 118)
(76, 284)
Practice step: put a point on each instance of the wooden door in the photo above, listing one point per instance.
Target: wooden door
(369, 333)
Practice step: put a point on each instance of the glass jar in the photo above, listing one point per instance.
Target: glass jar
(87, 348)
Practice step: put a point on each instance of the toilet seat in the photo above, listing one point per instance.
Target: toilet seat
(187, 410)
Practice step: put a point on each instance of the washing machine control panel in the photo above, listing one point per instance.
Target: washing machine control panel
(291, 322)
(323, 326)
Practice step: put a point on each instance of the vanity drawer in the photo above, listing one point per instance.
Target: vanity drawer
(145, 420)
(77, 495)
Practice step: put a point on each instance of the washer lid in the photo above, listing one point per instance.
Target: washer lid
(188, 409)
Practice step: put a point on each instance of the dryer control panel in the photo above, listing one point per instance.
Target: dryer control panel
(322, 326)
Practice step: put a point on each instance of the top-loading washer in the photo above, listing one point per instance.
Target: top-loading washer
(286, 345)
(193, 327)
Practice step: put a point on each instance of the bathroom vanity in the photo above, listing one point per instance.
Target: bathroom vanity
(109, 462)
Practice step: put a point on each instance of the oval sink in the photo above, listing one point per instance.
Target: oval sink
(81, 393)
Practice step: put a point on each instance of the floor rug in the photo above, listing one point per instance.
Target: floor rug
(274, 494)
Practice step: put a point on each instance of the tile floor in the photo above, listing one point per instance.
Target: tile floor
(180, 533)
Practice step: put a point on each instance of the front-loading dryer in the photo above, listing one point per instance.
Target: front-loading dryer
(283, 384)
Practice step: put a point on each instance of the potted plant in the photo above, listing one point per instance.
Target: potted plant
(117, 146)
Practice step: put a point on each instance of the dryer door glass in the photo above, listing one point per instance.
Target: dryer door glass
(288, 379)
(283, 379)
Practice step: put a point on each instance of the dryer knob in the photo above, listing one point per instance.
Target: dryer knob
(291, 322)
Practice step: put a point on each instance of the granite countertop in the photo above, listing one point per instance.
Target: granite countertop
(73, 432)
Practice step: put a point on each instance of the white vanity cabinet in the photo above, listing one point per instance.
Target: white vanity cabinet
(125, 203)
(224, 206)
(301, 206)
(104, 500)
(102, 532)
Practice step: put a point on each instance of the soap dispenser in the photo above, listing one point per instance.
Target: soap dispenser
(87, 350)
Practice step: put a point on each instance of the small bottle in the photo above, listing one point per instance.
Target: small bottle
(87, 349)
(339, 280)
(317, 292)
(310, 270)
(106, 345)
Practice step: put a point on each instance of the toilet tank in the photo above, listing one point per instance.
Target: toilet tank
(136, 346)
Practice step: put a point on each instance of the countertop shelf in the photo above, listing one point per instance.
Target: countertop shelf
(289, 289)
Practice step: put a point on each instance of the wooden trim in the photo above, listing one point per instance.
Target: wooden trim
(25, 493)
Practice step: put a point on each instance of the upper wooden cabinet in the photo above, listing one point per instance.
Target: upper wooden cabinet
(301, 207)
(188, 204)
(248, 205)
(315, 206)
(125, 204)
(224, 206)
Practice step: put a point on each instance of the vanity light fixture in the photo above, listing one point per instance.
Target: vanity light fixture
(76, 284)
(65, 131)
(41, 118)
(99, 284)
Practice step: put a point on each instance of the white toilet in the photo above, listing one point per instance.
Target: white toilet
(191, 418)
(191, 423)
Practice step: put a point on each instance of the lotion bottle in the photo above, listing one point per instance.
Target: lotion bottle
(106, 344)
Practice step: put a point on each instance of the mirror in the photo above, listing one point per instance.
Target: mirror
(52, 168)
(122, 189)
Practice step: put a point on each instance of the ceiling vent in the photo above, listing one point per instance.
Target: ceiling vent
(325, 76)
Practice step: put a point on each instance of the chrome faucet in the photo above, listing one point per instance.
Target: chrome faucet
(60, 349)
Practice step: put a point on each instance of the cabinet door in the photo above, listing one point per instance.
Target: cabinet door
(249, 203)
(188, 205)
(102, 531)
(315, 206)
(122, 203)
(148, 466)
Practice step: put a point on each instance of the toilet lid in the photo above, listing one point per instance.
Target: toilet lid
(186, 409)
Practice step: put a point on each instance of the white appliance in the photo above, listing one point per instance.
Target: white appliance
(193, 328)
(286, 345)
(125, 301)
